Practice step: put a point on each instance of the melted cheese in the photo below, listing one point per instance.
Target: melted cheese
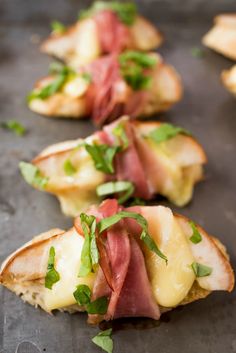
(170, 283)
(67, 262)
(76, 88)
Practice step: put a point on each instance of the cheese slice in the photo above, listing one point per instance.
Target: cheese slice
(67, 263)
(170, 283)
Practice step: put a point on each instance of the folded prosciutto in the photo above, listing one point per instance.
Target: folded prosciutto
(104, 28)
(222, 37)
(127, 159)
(119, 262)
(133, 83)
(229, 79)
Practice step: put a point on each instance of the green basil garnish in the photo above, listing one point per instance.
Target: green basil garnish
(103, 156)
(14, 126)
(126, 11)
(52, 276)
(32, 175)
(68, 167)
(196, 236)
(120, 134)
(82, 295)
(58, 27)
(114, 187)
(201, 270)
(165, 132)
(106, 223)
(103, 340)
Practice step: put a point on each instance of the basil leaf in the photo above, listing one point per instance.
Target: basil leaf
(86, 76)
(89, 254)
(126, 11)
(14, 126)
(113, 187)
(82, 294)
(166, 132)
(52, 276)
(143, 60)
(103, 156)
(57, 67)
(98, 306)
(68, 167)
(201, 270)
(119, 132)
(103, 340)
(58, 27)
(196, 236)
(133, 64)
(106, 223)
(137, 201)
(197, 52)
(32, 175)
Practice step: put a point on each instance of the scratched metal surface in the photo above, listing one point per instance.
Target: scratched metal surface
(207, 110)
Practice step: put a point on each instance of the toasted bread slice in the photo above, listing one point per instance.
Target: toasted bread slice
(24, 271)
(228, 78)
(80, 44)
(70, 101)
(172, 168)
(222, 37)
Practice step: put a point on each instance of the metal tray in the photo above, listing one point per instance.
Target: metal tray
(206, 109)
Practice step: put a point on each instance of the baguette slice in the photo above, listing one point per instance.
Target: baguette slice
(80, 43)
(222, 37)
(72, 99)
(228, 78)
(172, 168)
(23, 272)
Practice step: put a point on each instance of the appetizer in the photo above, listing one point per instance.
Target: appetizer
(229, 79)
(127, 158)
(104, 28)
(133, 83)
(119, 262)
(222, 37)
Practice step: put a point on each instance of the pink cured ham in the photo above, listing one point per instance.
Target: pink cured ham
(128, 164)
(109, 96)
(131, 294)
(113, 34)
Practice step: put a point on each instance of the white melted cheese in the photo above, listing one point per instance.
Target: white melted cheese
(170, 283)
(76, 87)
(67, 262)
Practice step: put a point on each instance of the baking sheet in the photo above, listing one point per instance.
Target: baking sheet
(206, 109)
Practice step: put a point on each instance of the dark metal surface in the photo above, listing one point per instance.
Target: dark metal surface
(208, 326)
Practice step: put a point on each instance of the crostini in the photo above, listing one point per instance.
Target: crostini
(127, 159)
(104, 28)
(134, 83)
(222, 37)
(119, 262)
(229, 79)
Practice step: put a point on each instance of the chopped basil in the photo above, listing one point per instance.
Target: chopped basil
(52, 276)
(89, 254)
(119, 132)
(103, 156)
(201, 270)
(98, 306)
(82, 295)
(63, 74)
(197, 52)
(106, 223)
(126, 11)
(103, 340)
(114, 187)
(32, 175)
(58, 27)
(196, 236)
(137, 201)
(14, 126)
(133, 65)
(68, 167)
(166, 132)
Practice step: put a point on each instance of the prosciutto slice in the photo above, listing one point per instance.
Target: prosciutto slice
(128, 164)
(131, 294)
(113, 34)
